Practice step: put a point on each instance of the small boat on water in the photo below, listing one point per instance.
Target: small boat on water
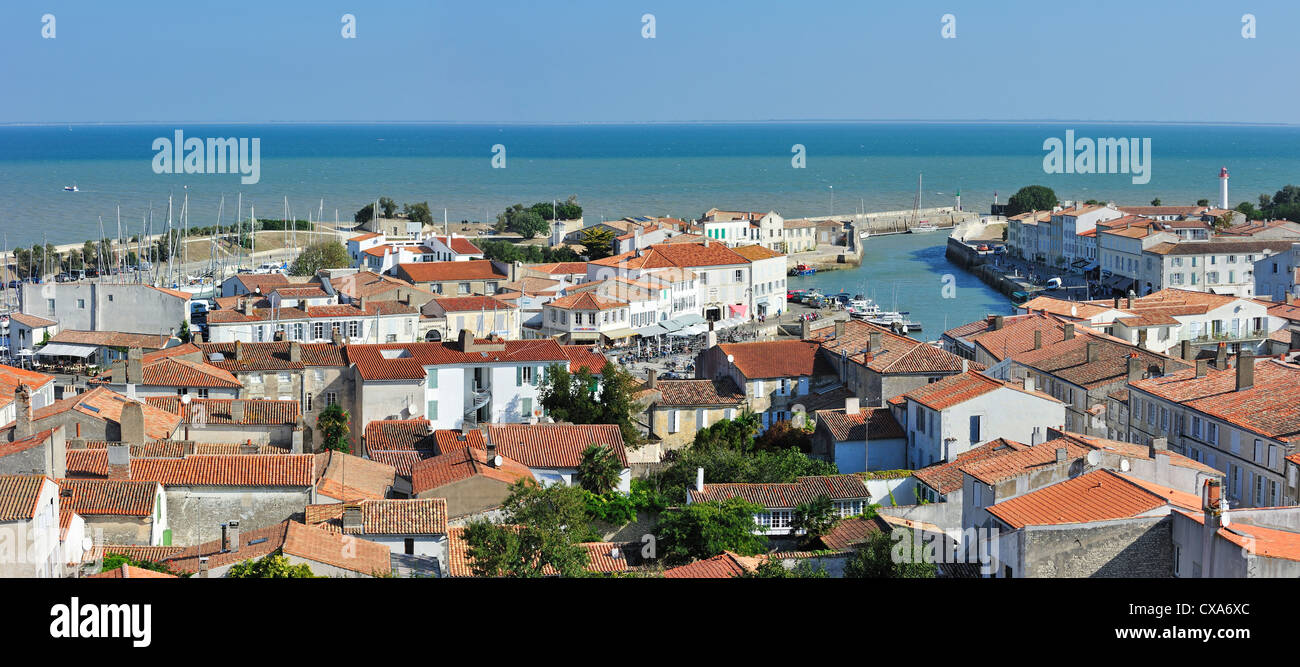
(71, 188)
(802, 270)
(896, 321)
(923, 228)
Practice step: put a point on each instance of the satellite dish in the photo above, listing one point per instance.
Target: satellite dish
(87, 544)
(496, 461)
(731, 358)
(1094, 457)
(1074, 311)
(1123, 465)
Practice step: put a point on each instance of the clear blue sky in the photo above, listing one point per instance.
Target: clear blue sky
(585, 60)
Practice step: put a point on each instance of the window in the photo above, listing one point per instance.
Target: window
(431, 411)
(308, 402)
(331, 398)
(974, 428)
(49, 304)
(203, 392)
(255, 378)
(390, 338)
(317, 330)
(409, 543)
(81, 303)
(283, 378)
(674, 421)
(431, 380)
(780, 518)
(462, 288)
(354, 329)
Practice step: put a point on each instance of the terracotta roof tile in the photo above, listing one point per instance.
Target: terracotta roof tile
(1096, 496)
(130, 572)
(773, 358)
(257, 412)
(91, 497)
(228, 470)
(720, 391)
(1269, 407)
(433, 272)
(18, 496)
(723, 566)
(868, 424)
(786, 495)
(554, 445)
(947, 477)
(399, 361)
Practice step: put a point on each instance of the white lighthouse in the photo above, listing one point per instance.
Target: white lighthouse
(1223, 187)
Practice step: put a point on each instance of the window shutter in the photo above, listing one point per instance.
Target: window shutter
(537, 376)
(432, 411)
(519, 376)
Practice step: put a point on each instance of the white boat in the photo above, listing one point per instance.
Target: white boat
(895, 320)
(71, 188)
(863, 308)
(864, 234)
(924, 227)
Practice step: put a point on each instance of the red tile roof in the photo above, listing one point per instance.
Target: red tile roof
(92, 497)
(682, 255)
(170, 371)
(1068, 360)
(957, 389)
(385, 517)
(894, 355)
(25, 444)
(853, 531)
(868, 424)
(31, 321)
(295, 539)
(772, 358)
(435, 272)
(723, 566)
(1269, 407)
(460, 245)
(554, 445)
(994, 469)
(582, 356)
(721, 391)
(585, 301)
(372, 364)
(105, 405)
(947, 477)
(457, 464)
(599, 556)
(272, 356)
(130, 572)
(18, 496)
(1100, 495)
(786, 495)
(257, 412)
(228, 470)
(457, 304)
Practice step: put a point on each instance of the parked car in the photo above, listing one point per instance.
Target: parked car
(15, 284)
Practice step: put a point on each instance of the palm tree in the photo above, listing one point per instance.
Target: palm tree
(599, 470)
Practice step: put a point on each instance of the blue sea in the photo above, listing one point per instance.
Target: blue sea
(619, 170)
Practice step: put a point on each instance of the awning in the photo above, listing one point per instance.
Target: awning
(737, 310)
(67, 350)
(682, 321)
(619, 333)
(652, 330)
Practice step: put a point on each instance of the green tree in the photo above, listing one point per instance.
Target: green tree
(1155, 202)
(581, 398)
(1202, 202)
(772, 568)
(184, 332)
(1248, 209)
(272, 566)
(366, 214)
(418, 212)
(113, 560)
(814, 518)
(880, 558)
(390, 206)
(542, 533)
(599, 469)
(570, 209)
(784, 435)
(599, 242)
(706, 529)
(1031, 198)
(88, 253)
(320, 255)
(523, 221)
(333, 426)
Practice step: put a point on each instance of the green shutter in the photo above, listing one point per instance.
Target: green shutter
(432, 381)
(528, 408)
(167, 537)
(519, 376)
(432, 412)
(537, 376)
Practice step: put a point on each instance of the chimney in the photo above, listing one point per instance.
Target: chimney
(699, 479)
(965, 365)
(295, 352)
(352, 522)
(1116, 303)
(491, 449)
(1185, 351)
(1245, 371)
(119, 462)
(246, 305)
(1029, 382)
(239, 351)
(134, 366)
(651, 378)
(1159, 446)
(1094, 351)
(839, 328)
(1038, 339)
(295, 442)
(203, 567)
(1060, 455)
(237, 411)
(248, 447)
(1130, 303)
(1068, 331)
(1134, 367)
(362, 305)
(873, 342)
(1036, 437)
(851, 406)
(711, 338)
(1213, 508)
(225, 538)
(197, 337)
(1202, 367)
(131, 423)
(805, 329)
(118, 373)
(998, 321)
(234, 535)
(1221, 357)
(23, 420)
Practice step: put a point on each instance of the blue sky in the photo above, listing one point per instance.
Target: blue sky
(585, 60)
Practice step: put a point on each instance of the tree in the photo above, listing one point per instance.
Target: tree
(784, 435)
(320, 255)
(366, 214)
(815, 518)
(581, 398)
(599, 242)
(333, 426)
(523, 221)
(272, 566)
(706, 529)
(1155, 202)
(1202, 202)
(1031, 198)
(88, 253)
(599, 469)
(1248, 209)
(390, 206)
(112, 561)
(569, 210)
(184, 332)
(880, 558)
(542, 533)
(772, 568)
(418, 212)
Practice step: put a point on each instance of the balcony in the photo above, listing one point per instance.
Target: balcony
(1228, 336)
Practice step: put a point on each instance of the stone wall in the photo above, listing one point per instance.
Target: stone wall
(196, 513)
(1126, 548)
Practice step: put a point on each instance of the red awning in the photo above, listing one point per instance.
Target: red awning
(737, 310)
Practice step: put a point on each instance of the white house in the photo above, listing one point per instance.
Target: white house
(553, 452)
(848, 494)
(946, 418)
(29, 518)
(1277, 276)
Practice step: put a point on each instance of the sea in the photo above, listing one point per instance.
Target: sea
(615, 170)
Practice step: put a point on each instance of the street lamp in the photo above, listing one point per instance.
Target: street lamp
(185, 414)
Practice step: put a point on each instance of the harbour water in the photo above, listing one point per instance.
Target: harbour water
(616, 170)
(907, 272)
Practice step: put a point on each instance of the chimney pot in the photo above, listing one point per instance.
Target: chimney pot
(651, 378)
(998, 321)
(1068, 332)
(852, 405)
(1245, 371)
(1134, 368)
(1221, 356)
(1038, 339)
(1202, 367)
(234, 535)
(1060, 454)
(23, 419)
(1094, 351)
